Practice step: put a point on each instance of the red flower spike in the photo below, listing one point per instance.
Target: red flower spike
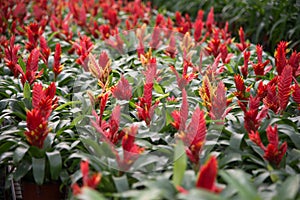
(33, 59)
(198, 26)
(242, 45)
(91, 181)
(185, 78)
(181, 116)
(240, 86)
(11, 57)
(194, 136)
(171, 49)
(103, 59)
(255, 137)
(112, 16)
(131, 151)
(159, 20)
(43, 99)
(31, 68)
(274, 153)
(155, 38)
(284, 86)
(294, 62)
(144, 106)
(57, 67)
(207, 176)
(219, 102)
(45, 50)
(37, 128)
(271, 99)
(280, 56)
(244, 69)
(259, 51)
(210, 20)
(83, 47)
(296, 94)
(123, 90)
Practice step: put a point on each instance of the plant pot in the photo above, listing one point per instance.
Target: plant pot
(49, 191)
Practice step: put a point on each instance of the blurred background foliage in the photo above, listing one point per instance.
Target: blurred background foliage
(265, 22)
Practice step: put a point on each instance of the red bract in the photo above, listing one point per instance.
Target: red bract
(243, 44)
(294, 62)
(218, 104)
(112, 17)
(181, 116)
(109, 131)
(90, 181)
(116, 42)
(99, 70)
(123, 90)
(11, 56)
(43, 99)
(198, 26)
(207, 176)
(45, 50)
(252, 115)
(241, 92)
(37, 127)
(31, 68)
(155, 38)
(144, 107)
(280, 56)
(57, 67)
(171, 49)
(83, 47)
(259, 68)
(244, 68)
(284, 86)
(34, 31)
(78, 12)
(194, 135)
(210, 20)
(131, 151)
(296, 94)
(185, 77)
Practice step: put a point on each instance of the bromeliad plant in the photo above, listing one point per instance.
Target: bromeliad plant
(156, 104)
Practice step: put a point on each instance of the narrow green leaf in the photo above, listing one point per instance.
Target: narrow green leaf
(240, 181)
(22, 64)
(38, 168)
(22, 169)
(121, 183)
(26, 91)
(289, 188)
(69, 103)
(158, 88)
(19, 154)
(55, 162)
(180, 162)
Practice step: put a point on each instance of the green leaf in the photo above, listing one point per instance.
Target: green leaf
(27, 91)
(22, 169)
(19, 154)
(121, 183)
(89, 194)
(289, 188)
(38, 168)
(69, 103)
(22, 64)
(180, 163)
(158, 88)
(55, 163)
(240, 181)
(200, 195)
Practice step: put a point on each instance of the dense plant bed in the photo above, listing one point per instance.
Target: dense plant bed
(117, 101)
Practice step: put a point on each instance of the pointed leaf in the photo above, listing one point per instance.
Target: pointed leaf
(55, 162)
(38, 168)
(180, 163)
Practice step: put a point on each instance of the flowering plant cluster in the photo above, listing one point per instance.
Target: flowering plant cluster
(152, 103)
